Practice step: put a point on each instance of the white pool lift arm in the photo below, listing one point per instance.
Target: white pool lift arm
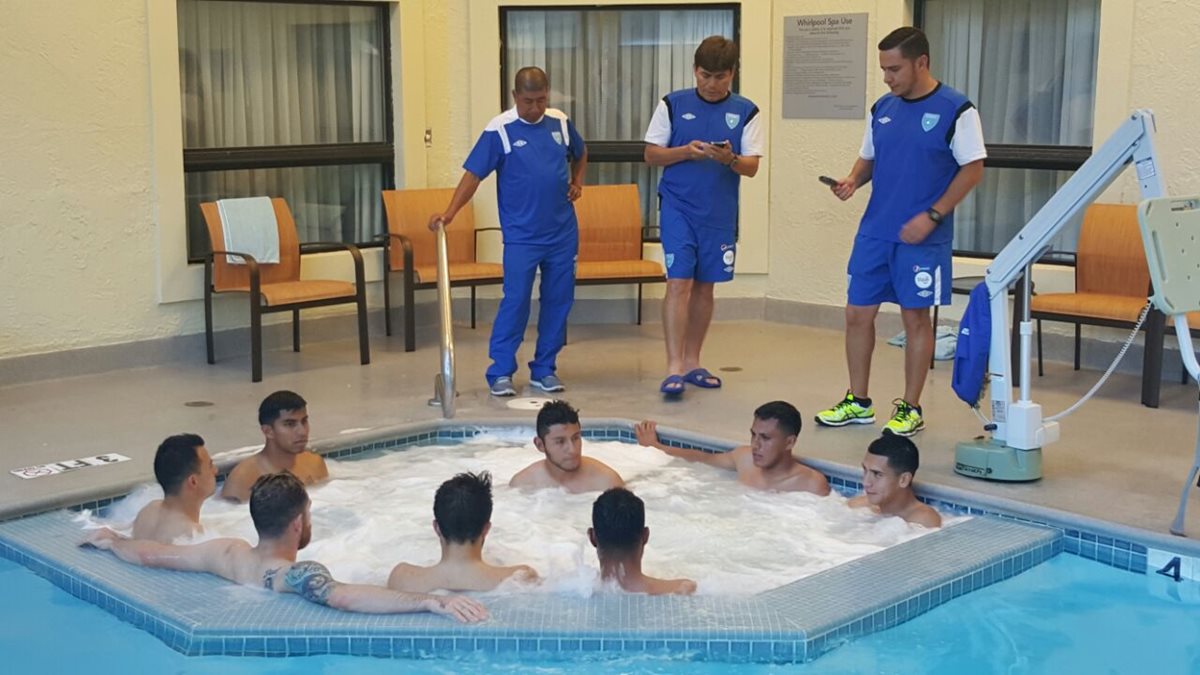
(1013, 453)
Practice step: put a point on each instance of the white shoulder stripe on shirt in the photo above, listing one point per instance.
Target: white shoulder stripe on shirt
(497, 125)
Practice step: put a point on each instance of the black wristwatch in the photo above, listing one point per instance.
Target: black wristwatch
(935, 216)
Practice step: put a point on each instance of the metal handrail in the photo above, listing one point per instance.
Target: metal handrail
(443, 382)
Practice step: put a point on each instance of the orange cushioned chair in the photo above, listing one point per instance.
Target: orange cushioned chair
(410, 247)
(1112, 283)
(610, 240)
(277, 287)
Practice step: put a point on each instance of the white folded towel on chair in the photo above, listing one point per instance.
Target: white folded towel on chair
(250, 227)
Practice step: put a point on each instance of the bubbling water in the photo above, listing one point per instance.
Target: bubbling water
(377, 510)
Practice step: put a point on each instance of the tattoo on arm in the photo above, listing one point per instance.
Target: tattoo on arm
(311, 581)
(269, 578)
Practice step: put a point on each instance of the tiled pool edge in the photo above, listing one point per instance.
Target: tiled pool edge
(781, 625)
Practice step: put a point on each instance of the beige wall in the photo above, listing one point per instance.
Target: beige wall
(92, 192)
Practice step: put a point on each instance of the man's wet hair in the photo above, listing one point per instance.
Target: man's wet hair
(176, 459)
(275, 501)
(529, 79)
(278, 403)
(716, 54)
(555, 412)
(462, 507)
(784, 414)
(618, 519)
(911, 41)
(901, 453)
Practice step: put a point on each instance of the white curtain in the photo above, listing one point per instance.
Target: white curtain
(266, 74)
(608, 69)
(1030, 68)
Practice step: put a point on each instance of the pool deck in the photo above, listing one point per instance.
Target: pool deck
(1117, 460)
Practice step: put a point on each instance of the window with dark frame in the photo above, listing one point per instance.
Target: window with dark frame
(608, 67)
(288, 99)
(1030, 68)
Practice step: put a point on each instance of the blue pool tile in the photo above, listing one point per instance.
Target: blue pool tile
(256, 646)
(739, 648)
(360, 646)
(425, 646)
(403, 647)
(234, 646)
(675, 646)
(635, 645)
(462, 644)
(569, 645)
(1137, 563)
(589, 645)
(760, 651)
(656, 645)
(381, 647)
(297, 646)
(783, 651)
(212, 646)
(718, 648)
(549, 645)
(443, 645)
(1071, 546)
(486, 645)
(1104, 554)
(339, 645)
(1138, 548)
(612, 645)
(318, 646)
(1121, 559)
(1087, 550)
(526, 645)
(506, 645)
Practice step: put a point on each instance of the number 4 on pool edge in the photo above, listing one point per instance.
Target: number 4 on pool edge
(1171, 569)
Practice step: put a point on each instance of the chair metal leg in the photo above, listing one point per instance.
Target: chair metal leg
(639, 305)
(473, 307)
(935, 325)
(1079, 339)
(410, 315)
(387, 299)
(255, 338)
(208, 321)
(1153, 358)
(295, 330)
(364, 347)
(1041, 370)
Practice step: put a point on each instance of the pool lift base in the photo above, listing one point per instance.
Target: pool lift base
(1018, 431)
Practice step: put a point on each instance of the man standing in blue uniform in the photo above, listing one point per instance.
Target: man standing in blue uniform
(539, 160)
(707, 138)
(923, 152)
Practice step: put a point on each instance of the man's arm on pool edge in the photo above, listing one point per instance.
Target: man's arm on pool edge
(647, 435)
(312, 581)
(205, 557)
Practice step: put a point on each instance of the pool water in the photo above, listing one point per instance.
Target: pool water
(1068, 615)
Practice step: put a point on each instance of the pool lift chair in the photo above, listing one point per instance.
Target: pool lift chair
(1018, 430)
(1171, 236)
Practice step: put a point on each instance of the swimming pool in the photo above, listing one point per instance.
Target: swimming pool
(761, 639)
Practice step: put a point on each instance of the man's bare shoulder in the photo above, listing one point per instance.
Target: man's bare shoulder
(240, 479)
(858, 502)
(925, 515)
(410, 578)
(809, 479)
(531, 476)
(313, 465)
(601, 475)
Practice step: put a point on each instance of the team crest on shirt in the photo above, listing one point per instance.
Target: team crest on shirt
(519, 143)
(688, 116)
(732, 119)
(557, 136)
(669, 259)
(929, 121)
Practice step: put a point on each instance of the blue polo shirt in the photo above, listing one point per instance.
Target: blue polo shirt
(705, 192)
(531, 162)
(917, 146)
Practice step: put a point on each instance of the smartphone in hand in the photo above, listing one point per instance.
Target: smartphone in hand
(724, 144)
(831, 182)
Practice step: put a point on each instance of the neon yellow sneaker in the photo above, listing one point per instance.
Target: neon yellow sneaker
(906, 420)
(849, 410)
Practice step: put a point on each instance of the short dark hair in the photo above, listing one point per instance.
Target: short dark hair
(175, 460)
(902, 455)
(462, 506)
(618, 518)
(278, 403)
(784, 414)
(716, 54)
(531, 78)
(555, 412)
(911, 41)
(275, 500)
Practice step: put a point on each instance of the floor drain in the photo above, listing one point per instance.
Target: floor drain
(528, 403)
(730, 369)
(198, 404)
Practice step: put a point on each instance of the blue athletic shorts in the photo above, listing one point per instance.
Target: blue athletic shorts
(693, 251)
(912, 276)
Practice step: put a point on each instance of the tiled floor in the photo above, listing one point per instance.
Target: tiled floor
(1116, 460)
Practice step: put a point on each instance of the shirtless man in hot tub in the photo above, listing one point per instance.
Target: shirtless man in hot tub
(560, 439)
(283, 417)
